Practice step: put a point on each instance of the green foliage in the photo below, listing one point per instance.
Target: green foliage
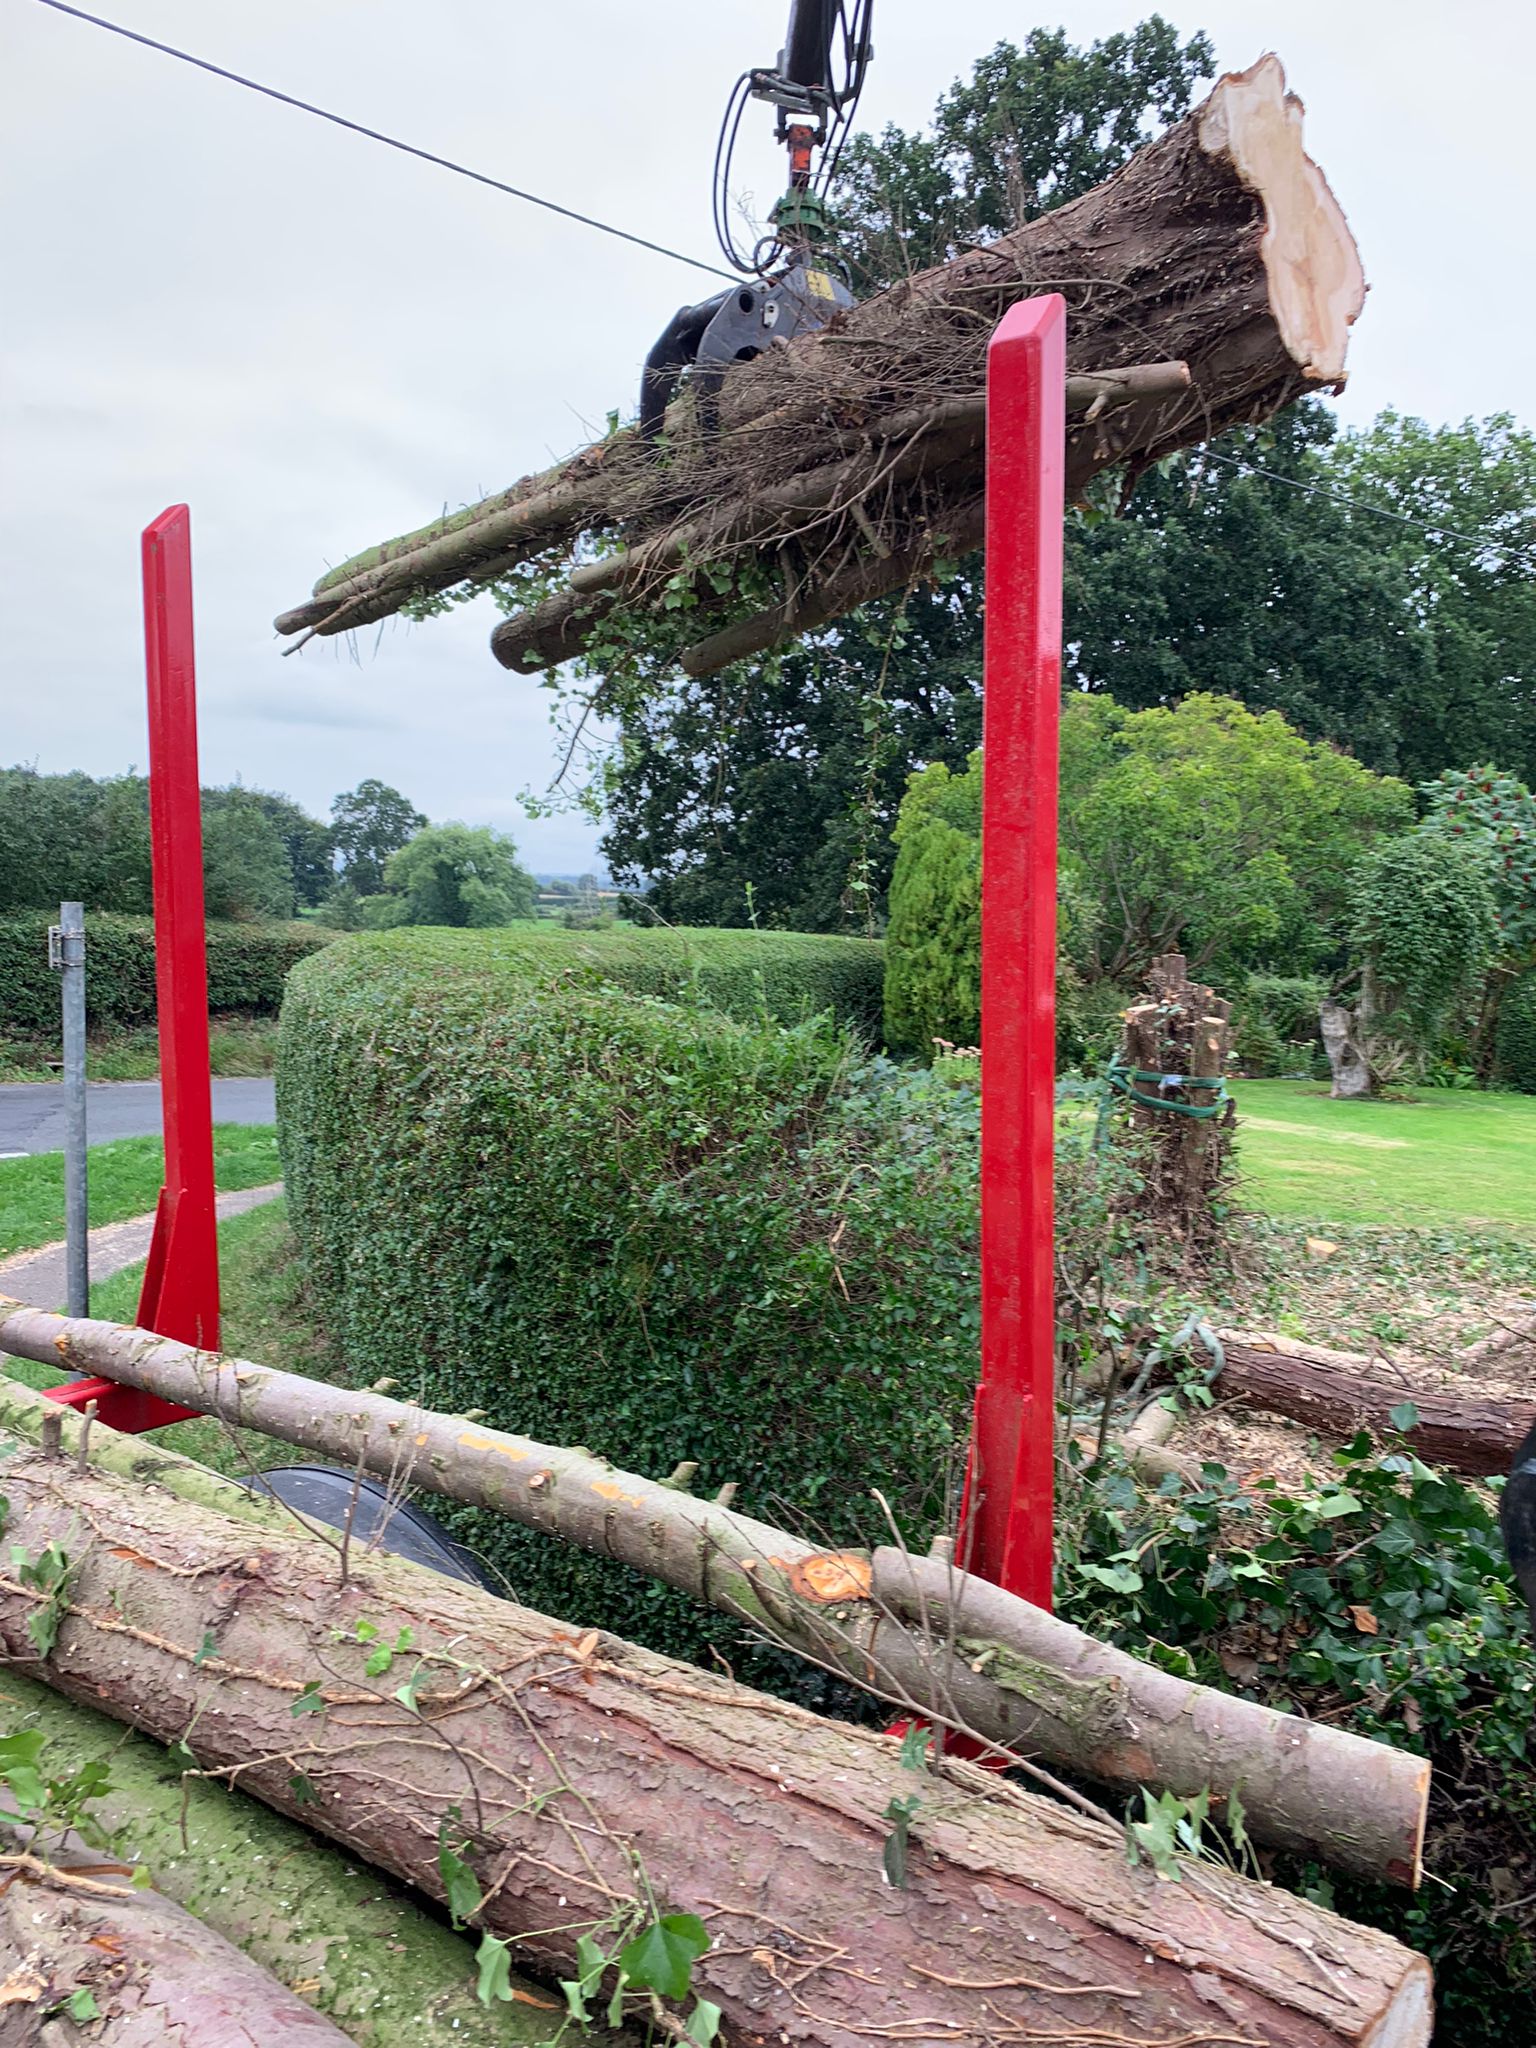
(1517, 1035)
(1027, 131)
(1424, 920)
(1379, 1597)
(1203, 827)
(246, 870)
(635, 1209)
(786, 781)
(933, 942)
(368, 824)
(1275, 1023)
(72, 837)
(1496, 813)
(246, 967)
(456, 875)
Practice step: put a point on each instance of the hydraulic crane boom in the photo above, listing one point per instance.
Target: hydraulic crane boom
(790, 285)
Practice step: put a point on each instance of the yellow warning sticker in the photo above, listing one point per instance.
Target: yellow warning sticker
(819, 282)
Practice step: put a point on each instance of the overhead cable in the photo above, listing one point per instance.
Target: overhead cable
(377, 135)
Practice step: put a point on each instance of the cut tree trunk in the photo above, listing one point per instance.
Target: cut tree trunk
(1305, 1785)
(360, 1951)
(1348, 1061)
(1338, 1392)
(150, 1975)
(589, 1784)
(1209, 283)
(1174, 1057)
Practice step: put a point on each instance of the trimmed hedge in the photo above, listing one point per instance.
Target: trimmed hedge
(624, 1189)
(247, 964)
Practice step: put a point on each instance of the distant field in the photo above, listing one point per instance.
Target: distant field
(1454, 1158)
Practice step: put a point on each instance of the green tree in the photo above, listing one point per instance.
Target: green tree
(246, 873)
(769, 795)
(368, 824)
(1028, 130)
(1424, 926)
(459, 875)
(1207, 828)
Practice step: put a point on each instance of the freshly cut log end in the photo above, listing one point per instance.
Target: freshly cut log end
(1218, 251)
(1316, 280)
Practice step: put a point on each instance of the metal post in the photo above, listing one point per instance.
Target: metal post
(66, 952)
(1006, 1533)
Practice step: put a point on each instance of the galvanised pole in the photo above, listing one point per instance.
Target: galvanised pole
(70, 960)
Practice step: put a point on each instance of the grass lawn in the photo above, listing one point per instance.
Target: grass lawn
(125, 1178)
(1450, 1157)
(236, 1046)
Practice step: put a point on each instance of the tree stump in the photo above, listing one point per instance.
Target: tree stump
(1171, 1069)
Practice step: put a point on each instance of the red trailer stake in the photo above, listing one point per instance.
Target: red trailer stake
(180, 1296)
(1006, 1531)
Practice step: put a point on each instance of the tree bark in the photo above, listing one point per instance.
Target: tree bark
(157, 1977)
(1219, 247)
(1174, 1056)
(357, 1949)
(1337, 1392)
(1300, 1781)
(1348, 1061)
(589, 1783)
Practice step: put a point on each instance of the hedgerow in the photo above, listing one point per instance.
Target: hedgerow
(247, 964)
(631, 1190)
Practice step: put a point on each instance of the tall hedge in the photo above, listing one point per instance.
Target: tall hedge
(625, 1189)
(247, 964)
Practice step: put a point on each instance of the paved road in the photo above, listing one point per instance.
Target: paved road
(32, 1112)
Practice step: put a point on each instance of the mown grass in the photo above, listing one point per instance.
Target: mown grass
(124, 1180)
(238, 1047)
(1446, 1158)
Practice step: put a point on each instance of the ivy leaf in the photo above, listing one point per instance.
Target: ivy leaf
(302, 1790)
(703, 2023)
(1333, 1505)
(205, 1649)
(460, 1885)
(308, 1701)
(406, 1694)
(661, 1957)
(81, 2005)
(495, 1960)
(1403, 1417)
(894, 1854)
(18, 1767)
(380, 1661)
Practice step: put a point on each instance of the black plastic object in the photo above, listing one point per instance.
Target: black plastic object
(321, 1493)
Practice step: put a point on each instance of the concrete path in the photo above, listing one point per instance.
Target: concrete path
(32, 1112)
(37, 1278)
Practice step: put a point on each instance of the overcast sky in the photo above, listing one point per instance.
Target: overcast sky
(317, 343)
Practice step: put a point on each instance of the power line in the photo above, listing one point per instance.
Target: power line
(376, 135)
(1470, 540)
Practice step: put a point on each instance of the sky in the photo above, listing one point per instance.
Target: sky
(316, 342)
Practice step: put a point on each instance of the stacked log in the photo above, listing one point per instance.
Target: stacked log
(956, 1652)
(591, 1789)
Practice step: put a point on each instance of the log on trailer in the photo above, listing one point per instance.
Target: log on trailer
(589, 1784)
(1209, 283)
(358, 1949)
(1044, 1690)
